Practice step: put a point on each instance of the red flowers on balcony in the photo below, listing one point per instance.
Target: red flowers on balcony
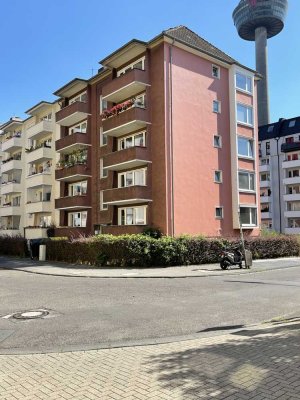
(115, 110)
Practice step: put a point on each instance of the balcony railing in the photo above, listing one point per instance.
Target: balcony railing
(72, 114)
(126, 159)
(73, 202)
(127, 195)
(73, 142)
(286, 147)
(73, 172)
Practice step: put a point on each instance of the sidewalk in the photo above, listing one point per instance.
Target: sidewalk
(261, 362)
(63, 269)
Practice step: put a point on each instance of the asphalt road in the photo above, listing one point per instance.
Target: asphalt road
(93, 313)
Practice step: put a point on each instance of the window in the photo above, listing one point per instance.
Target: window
(140, 101)
(132, 215)
(138, 64)
(216, 106)
(47, 117)
(246, 180)
(138, 139)
(245, 147)
(103, 105)
(80, 97)
(103, 138)
(294, 173)
(244, 114)
(248, 216)
(77, 189)
(218, 177)
(219, 212)
(270, 128)
(215, 71)
(103, 171)
(80, 128)
(268, 148)
(292, 123)
(103, 206)
(289, 140)
(77, 219)
(243, 82)
(132, 178)
(264, 177)
(217, 141)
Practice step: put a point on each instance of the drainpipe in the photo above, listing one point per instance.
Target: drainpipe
(171, 136)
(279, 184)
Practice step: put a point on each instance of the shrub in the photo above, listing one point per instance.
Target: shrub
(13, 246)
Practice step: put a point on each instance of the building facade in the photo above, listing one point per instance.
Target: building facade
(165, 136)
(280, 175)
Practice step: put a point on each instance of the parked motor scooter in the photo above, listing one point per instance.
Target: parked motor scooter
(232, 256)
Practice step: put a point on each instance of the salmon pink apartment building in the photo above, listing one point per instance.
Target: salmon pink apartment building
(164, 136)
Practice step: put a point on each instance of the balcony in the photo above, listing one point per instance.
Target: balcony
(286, 147)
(126, 86)
(265, 184)
(127, 195)
(123, 229)
(32, 232)
(264, 168)
(75, 141)
(72, 114)
(291, 164)
(12, 144)
(292, 180)
(265, 199)
(72, 202)
(291, 197)
(40, 154)
(39, 207)
(131, 120)
(292, 214)
(10, 187)
(42, 179)
(266, 215)
(70, 232)
(40, 130)
(126, 159)
(8, 211)
(74, 173)
(292, 231)
(10, 166)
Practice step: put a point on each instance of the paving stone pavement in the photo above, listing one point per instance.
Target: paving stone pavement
(251, 364)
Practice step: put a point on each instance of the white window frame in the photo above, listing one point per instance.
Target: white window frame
(131, 66)
(123, 174)
(103, 172)
(134, 215)
(221, 208)
(249, 190)
(217, 76)
(248, 108)
(47, 117)
(248, 78)
(250, 143)
(251, 225)
(82, 97)
(140, 96)
(102, 104)
(71, 218)
(103, 206)
(123, 139)
(103, 138)
(218, 171)
(81, 127)
(71, 187)
(218, 103)
(217, 146)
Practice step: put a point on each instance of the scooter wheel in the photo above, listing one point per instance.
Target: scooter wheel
(223, 264)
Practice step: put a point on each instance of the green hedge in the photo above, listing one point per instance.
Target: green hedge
(145, 251)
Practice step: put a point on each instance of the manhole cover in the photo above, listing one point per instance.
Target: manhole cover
(31, 314)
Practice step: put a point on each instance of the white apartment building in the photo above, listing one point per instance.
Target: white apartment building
(279, 150)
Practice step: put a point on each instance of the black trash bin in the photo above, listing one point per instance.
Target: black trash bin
(35, 247)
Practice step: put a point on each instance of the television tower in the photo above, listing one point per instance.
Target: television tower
(259, 20)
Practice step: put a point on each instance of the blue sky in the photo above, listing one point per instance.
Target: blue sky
(43, 44)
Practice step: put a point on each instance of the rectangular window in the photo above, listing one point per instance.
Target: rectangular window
(244, 114)
(268, 147)
(216, 71)
(103, 138)
(243, 82)
(289, 140)
(77, 189)
(132, 178)
(47, 117)
(77, 219)
(292, 123)
(264, 177)
(80, 128)
(245, 147)
(140, 101)
(102, 104)
(217, 141)
(216, 106)
(103, 206)
(246, 181)
(103, 171)
(218, 177)
(132, 215)
(138, 64)
(80, 97)
(219, 212)
(248, 216)
(138, 139)
(270, 128)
